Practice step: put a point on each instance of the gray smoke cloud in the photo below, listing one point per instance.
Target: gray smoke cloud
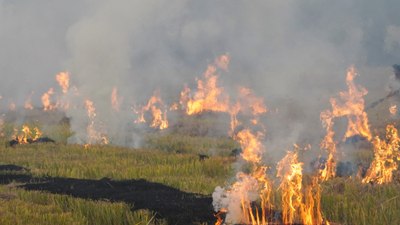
(293, 53)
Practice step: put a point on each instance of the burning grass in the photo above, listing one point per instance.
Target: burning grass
(344, 201)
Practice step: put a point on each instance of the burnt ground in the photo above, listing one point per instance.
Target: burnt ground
(176, 206)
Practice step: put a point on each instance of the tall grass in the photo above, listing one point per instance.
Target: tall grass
(183, 171)
(350, 202)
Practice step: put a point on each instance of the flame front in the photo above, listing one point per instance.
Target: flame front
(157, 109)
(298, 203)
(26, 135)
(350, 105)
(251, 145)
(209, 97)
(386, 152)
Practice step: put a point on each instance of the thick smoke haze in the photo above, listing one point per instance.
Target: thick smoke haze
(293, 53)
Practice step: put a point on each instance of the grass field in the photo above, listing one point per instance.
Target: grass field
(71, 184)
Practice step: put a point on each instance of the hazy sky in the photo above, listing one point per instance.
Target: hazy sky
(296, 50)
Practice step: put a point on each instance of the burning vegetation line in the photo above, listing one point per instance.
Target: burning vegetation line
(386, 155)
(351, 105)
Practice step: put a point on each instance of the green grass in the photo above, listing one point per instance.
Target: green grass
(221, 146)
(350, 202)
(182, 171)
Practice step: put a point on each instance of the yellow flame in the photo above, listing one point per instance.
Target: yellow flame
(209, 97)
(351, 105)
(251, 145)
(155, 106)
(26, 135)
(386, 152)
(299, 203)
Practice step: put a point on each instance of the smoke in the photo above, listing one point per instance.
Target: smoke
(293, 53)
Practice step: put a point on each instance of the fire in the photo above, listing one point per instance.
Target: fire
(393, 110)
(93, 135)
(155, 106)
(63, 80)
(115, 101)
(26, 135)
(218, 216)
(290, 172)
(251, 145)
(46, 100)
(249, 102)
(386, 152)
(297, 204)
(351, 105)
(209, 97)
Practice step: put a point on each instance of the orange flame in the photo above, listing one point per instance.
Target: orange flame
(290, 172)
(26, 135)
(385, 155)
(251, 145)
(46, 100)
(253, 186)
(155, 106)
(209, 97)
(93, 136)
(297, 205)
(63, 80)
(350, 105)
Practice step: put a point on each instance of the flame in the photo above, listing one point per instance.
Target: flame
(93, 135)
(393, 110)
(155, 106)
(385, 154)
(251, 145)
(46, 100)
(250, 102)
(63, 80)
(298, 203)
(209, 97)
(290, 172)
(26, 135)
(350, 105)
(115, 101)
(247, 104)
(250, 187)
(218, 216)
(184, 96)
